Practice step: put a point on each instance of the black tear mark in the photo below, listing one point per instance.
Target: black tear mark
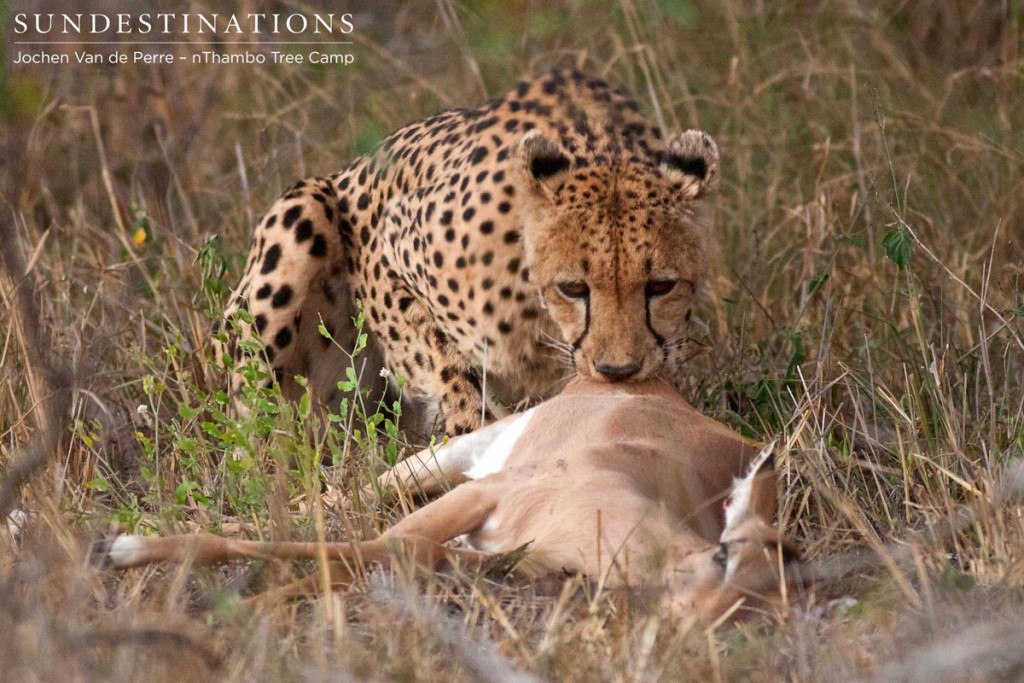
(586, 325)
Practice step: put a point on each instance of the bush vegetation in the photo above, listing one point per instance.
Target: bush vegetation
(865, 308)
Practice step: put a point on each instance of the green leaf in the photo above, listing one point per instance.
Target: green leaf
(147, 445)
(98, 485)
(368, 136)
(898, 244)
(858, 240)
(213, 430)
(817, 282)
(682, 11)
(350, 382)
(797, 358)
(848, 607)
(185, 488)
(187, 413)
(181, 493)
(250, 347)
(958, 580)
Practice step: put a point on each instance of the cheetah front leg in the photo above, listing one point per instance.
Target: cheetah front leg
(462, 402)
(419, 324)
(437, 373)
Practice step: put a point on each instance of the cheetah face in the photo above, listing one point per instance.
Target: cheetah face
(617, 251)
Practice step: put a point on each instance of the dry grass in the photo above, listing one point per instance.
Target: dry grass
(897, 393)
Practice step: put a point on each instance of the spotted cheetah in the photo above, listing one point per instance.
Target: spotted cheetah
(550, 232)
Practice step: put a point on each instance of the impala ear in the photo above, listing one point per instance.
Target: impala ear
(541, 158)
(739, 504)
(691, 158)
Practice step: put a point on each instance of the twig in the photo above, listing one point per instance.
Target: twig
(55, 381)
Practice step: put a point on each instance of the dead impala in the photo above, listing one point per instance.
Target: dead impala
(620, 482)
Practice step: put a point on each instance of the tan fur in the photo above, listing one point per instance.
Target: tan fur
(620, 482)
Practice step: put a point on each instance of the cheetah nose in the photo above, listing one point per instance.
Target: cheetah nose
(617, 373)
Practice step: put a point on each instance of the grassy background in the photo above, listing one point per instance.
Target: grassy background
(857, 137)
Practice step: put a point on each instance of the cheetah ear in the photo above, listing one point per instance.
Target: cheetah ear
(692, 159)
(541, 158)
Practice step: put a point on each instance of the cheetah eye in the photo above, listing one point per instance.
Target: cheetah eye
(659, 287)
(574, 290)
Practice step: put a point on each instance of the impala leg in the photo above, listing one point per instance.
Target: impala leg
(136, 551)
(428, 472)
(125, 552)
(458, 512)
(419, 536)
(307, 585)
(438, 469)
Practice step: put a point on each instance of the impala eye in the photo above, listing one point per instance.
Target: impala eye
(574, 290)
(721, 557)
(659, 287)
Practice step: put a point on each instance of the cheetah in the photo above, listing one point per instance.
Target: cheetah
(496, 252)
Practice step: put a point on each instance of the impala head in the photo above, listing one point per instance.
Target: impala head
(747, 561)
(618, 248)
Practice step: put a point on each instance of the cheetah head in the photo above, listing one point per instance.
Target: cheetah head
(617, 250)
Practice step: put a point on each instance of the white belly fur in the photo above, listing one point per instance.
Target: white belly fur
(477, 539)
(493, 458)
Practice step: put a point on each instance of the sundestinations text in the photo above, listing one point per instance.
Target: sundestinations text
(184, 23)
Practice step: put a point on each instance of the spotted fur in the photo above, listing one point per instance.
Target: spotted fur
(549, 231)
